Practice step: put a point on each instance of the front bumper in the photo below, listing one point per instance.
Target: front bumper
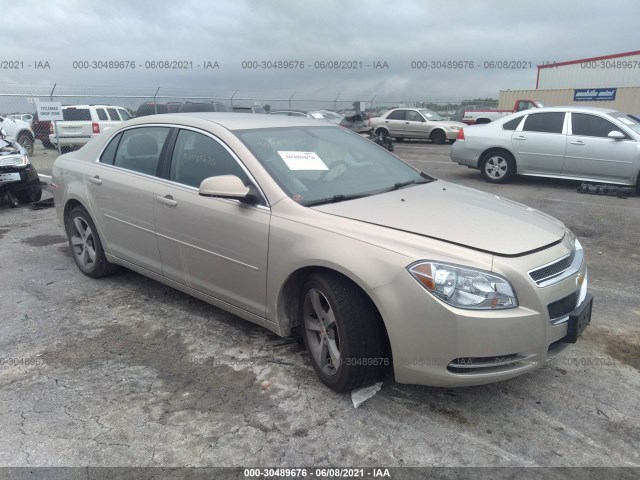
(438, 345)
(19, 179)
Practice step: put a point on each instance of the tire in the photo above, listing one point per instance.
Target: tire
(31, 195)
(438, 137)
(341, 326)
(86, 247)
(382, 131)
(48, 145)
(452, 141)
(26, 141)
(498, 166)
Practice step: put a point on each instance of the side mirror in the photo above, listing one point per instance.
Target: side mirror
(615, 134)
(224, 186)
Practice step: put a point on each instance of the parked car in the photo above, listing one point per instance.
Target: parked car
(302, 226)
(459, 114)
(578, 143)
(477, 116)
(19, 180)
(252, 109)
(80, 123)
(41, 130)
(203, 107)
(20, 131)
(25, 117)
(353, 122)
(420, 123)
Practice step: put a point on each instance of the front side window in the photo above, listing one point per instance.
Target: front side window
(414, 116)
(591, 125)
(547, 122)
(124, 114)
(197, 156)
(139, 149)
(113, 114)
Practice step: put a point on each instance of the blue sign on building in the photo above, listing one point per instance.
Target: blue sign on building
(591, 94)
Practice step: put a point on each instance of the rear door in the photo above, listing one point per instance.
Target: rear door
(396, 123)
(592, 154)
(540, 143)
(121, 194)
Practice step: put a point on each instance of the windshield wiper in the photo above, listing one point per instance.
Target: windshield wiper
(399, 185)
(335, 199)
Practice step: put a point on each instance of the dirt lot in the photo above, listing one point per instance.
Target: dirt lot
(124, 371)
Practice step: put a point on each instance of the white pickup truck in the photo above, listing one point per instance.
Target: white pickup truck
(474, 117)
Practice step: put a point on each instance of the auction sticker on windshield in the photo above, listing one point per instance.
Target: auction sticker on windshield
(303, 160)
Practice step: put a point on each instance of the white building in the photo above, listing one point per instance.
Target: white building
(611, 81)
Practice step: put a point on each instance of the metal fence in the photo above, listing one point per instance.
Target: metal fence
(21, 98)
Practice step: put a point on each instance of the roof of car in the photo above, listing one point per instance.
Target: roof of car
(228, 120)
(573, 108)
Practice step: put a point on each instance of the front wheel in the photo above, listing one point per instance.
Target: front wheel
(85, 244)
(342, 332)
(438, 137)
(498, 167)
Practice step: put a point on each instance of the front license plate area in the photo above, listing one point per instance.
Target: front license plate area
(10, 177)
(578, 320)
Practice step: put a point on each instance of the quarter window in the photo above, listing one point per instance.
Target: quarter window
(196, 157)
(547, 122)
(512, 124)
(110, 152)
(591, 125)
(139, 149)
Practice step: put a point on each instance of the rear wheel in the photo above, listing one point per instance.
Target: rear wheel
(26, 141)
(85, 244)
(341, 332)
(382, 132)
(438, 137)
(498, 167)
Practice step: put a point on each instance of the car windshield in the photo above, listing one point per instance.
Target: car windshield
(430, 115)
(631, 121)
(326, 164)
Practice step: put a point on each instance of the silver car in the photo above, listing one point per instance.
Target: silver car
(308, 228)
(419, 123)
(577, 143)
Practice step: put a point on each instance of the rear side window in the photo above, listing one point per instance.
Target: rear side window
(397, 115)
(113, 114)
(547, 122)
(196, 157)
(512, 124)
(139, 149)
(76, 114)
(591, 125)
(102, 115)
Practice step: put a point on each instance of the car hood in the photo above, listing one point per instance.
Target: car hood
(458, 215)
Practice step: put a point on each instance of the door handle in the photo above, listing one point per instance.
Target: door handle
(407, 123)
(521, 137)
(577, 142)
(95, 180)
(167, 200)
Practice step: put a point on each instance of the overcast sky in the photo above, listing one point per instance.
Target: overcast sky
(372, 32)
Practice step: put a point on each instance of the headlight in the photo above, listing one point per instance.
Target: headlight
(464, 287)
(14, 161)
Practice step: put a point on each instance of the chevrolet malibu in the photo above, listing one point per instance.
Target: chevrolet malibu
(306, 228)
(576, 143)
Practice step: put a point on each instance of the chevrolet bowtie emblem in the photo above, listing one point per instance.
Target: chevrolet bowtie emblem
(579, 280)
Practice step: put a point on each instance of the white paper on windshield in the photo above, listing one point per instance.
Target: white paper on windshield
(302, 160)
(317, 115)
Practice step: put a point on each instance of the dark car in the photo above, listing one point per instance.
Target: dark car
(41, 130)
(203, 107)
(19, 180)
